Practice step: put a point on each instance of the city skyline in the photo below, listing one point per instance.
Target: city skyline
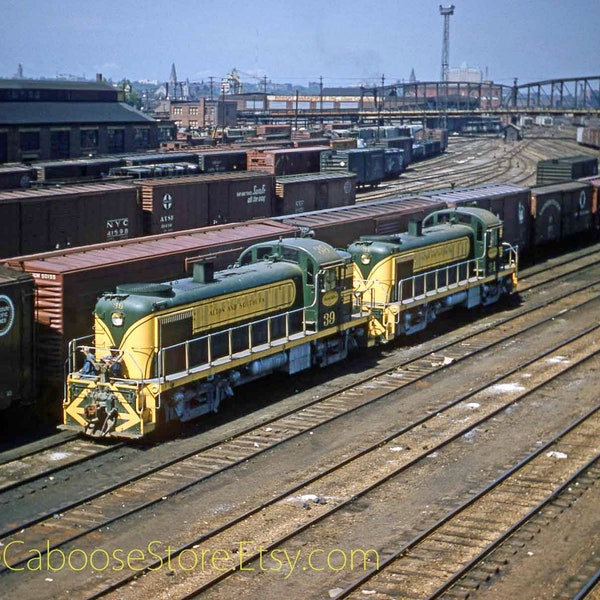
(338, 41)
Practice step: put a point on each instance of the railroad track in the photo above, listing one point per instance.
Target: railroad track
(364, 473)
(470, 162)
(41, 460)
(78, 523)
(37, 468)
(438, 562)
(31, 471)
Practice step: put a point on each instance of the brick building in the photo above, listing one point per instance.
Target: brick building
(203, 113)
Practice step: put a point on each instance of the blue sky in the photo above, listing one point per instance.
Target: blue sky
(347, 42)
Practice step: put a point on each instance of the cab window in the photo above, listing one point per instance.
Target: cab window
(493, 238)
(329, 280)
(310, 273)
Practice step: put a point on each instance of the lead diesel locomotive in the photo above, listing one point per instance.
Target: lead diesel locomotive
(174, 351)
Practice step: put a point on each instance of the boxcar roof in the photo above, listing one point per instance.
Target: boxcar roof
(485, 191)
(559, 187)
(65, 190)
(126, 251)
(358, 211)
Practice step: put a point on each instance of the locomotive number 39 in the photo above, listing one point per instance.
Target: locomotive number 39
(329, 318)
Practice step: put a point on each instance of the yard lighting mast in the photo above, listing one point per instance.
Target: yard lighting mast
(446, 12)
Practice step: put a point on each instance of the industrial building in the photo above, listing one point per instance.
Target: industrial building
(55, 119)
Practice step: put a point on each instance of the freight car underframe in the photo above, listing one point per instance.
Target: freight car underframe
(105, 406)
(425, 295)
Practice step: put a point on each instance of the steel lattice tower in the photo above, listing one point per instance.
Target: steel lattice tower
(446, 12)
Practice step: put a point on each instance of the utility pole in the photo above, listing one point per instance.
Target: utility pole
(321, 96)
(446, 12)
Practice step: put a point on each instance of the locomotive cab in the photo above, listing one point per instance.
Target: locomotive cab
(487, 232)
(327, 279)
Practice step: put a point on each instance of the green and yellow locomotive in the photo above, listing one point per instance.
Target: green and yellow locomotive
(174, 351)
(453, 258)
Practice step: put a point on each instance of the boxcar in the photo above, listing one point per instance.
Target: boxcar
(179, 203)
(17, 360)
(69, 281)
(565, 168)
(509, 202)
(314, 191)
(588, 136)
(222, 161)
(242, 196)
(367, 163)
(40, 220)
(287, 161)
(15, 176)
(341, 226)
(595, 183)
(59, 170)
(561, 211)
(153, 158)
(173, 204)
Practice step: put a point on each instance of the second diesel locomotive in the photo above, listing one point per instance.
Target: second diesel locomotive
(456, 257)
(175, 351)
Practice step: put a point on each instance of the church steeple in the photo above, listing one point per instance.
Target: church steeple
(172, 89)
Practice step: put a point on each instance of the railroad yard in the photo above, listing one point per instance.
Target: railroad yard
(460, 463)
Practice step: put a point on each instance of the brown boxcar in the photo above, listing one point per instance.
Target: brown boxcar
(343, 143)
(315, 191)
(173, 203)
(561, 211)
(240, 196)
(589, 136)
(308, 142)
(68, 282)
(274, 130)
(509, 202)
(76, 215)
(341, 226)
(287, 161)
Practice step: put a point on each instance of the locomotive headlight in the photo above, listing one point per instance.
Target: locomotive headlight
(117, 319)
(365, 258)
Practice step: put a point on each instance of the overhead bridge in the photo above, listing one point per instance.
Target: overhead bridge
(576, 95)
